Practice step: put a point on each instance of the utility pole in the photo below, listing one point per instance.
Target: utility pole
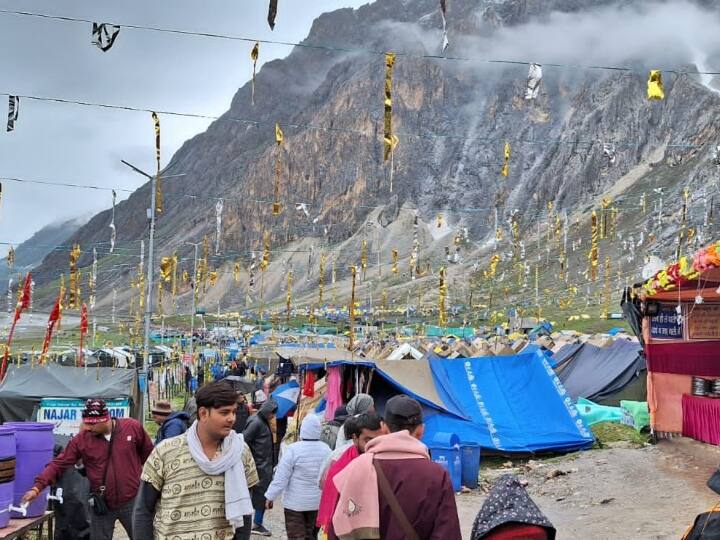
(149, 282)
(194, 293)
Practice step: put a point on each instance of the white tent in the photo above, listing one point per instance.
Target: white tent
(123, 358)
(405, 352)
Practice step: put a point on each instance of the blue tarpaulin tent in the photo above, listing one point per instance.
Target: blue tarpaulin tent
(512, 403)
(505, 403)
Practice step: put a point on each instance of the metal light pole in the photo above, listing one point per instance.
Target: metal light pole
(149, 283)
(194, 291)
(149, 290)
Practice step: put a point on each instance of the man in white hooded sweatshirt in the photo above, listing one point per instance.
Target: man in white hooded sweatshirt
(296, 477)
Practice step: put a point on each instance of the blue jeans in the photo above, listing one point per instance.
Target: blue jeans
(259, 515)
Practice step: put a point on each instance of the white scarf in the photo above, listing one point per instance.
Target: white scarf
(229, 463)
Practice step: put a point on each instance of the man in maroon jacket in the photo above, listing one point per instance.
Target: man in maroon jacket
(421, 490)
(113, 451)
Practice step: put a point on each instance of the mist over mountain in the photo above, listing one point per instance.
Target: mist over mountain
(452, 117)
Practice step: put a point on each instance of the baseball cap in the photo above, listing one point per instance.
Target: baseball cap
(403, 409)
(95, 411)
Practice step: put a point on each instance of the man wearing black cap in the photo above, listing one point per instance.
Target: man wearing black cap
(113, 451)
(394, 491)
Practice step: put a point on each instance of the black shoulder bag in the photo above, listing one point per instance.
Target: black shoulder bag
(394, 504)
(97, 498)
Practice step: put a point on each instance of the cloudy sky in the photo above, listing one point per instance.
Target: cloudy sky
(69, 143)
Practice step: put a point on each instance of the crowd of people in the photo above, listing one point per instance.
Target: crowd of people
(214, 472)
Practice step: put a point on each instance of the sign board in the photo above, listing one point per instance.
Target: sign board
(66, 414)
(704, 321)
(665, 324)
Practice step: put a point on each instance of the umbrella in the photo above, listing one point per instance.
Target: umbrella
(286, 396)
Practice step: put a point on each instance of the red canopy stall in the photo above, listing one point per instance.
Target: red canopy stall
(679, 311)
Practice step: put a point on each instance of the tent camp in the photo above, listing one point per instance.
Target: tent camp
(512, 404)
(605, 375)
(24, 387)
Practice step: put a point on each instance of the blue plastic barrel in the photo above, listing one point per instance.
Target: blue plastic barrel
(470, 458)
(445, 451)
(34, 444)
(7, 473)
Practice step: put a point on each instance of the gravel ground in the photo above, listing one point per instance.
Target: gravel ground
(653, 492)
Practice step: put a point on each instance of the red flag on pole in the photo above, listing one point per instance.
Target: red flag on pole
(23, 304)
(24, 300)
(52, 321)
(83, 331)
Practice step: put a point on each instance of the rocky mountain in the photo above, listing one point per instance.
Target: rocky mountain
(31, 253)
(590, 135)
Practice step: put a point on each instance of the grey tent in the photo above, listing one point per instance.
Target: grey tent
(565, 355)
(24, 386)
(605, 375)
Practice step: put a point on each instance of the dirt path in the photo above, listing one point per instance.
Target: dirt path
(646, 493)
(649, 493)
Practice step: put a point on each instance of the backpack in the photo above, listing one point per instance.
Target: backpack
(329, 434)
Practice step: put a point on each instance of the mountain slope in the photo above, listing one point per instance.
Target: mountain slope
(452, 118)
(31, 253)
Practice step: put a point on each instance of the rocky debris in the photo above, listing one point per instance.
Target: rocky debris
(555, 473)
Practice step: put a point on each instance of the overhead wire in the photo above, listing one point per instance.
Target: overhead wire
(339, 49)
(344, 130)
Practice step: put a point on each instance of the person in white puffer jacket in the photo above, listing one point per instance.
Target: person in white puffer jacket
(296, 478)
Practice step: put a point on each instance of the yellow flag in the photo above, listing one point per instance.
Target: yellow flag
(265, 262)
(593, 256)
(254, 57)
(351, 308)
(655, 89)
(506, 166)
(158, 185)
(321, 284)
(212, 277)
(288, 296)
(442, 293)
(166, 266)
(279, 139)
(390, 139)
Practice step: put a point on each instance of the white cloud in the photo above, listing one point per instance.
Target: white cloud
(143, 69)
